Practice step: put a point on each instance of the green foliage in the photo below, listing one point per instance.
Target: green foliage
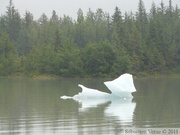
(123, 64)
(13, 21)
(68, 61)
(98, 59)
(96, 44)
(40, 60)
(9, 61)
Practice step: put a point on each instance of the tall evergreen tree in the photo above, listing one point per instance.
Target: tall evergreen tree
(118, 30)
(28, 19)
(43, 19)
(79, 37)
(13, 21)
(141, 18)
(54, 17)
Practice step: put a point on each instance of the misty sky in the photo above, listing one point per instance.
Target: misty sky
(70, 7)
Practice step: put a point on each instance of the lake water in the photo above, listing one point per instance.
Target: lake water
(34, 107)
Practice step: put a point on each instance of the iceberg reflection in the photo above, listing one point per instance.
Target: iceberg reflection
(122, 109)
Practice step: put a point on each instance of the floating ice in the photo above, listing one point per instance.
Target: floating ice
(91, 93)
(117, 104)
(87, 93)
(121, 87)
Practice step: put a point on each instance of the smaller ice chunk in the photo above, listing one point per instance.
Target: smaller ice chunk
(66, 97)
(87, 93)
(91, 93)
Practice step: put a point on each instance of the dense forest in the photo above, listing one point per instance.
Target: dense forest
(95, 44)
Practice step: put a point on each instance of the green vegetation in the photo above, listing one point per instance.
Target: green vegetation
(96, 44)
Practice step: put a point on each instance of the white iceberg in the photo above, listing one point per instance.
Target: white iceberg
(116, 106)
(122, 87)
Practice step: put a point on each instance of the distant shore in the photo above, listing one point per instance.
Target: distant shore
(155, 75)
(39, 76)
(51, 76)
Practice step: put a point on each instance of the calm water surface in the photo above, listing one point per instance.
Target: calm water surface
(34, 107)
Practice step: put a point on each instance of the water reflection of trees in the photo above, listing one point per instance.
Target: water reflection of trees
(33, 106)
(158, 102)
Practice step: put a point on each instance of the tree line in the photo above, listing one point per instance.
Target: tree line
(95, 44)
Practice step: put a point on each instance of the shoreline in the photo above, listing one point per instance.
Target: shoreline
(51, 76)
(38, 77)
(157, 75)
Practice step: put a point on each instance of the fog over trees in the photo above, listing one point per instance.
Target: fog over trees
(96, 44)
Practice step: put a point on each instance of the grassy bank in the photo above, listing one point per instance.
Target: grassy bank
(34, 76)
(175, 72)
(139, 75)
(168, 73)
